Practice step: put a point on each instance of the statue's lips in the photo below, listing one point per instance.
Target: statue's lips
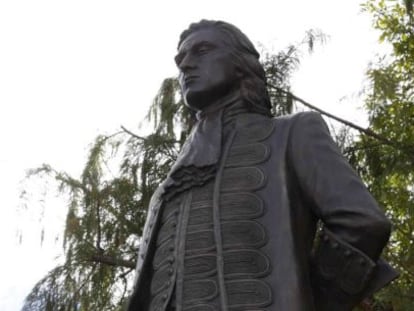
(190, 79)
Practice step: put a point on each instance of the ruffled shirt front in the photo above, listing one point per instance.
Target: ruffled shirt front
(199, 157)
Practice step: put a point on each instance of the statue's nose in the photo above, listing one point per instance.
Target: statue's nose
(187, 63)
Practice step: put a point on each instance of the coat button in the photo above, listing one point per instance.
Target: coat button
(348, 253)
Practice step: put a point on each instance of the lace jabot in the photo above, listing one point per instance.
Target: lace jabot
(197, 162)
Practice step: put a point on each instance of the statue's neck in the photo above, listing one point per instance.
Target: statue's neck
(228, 105)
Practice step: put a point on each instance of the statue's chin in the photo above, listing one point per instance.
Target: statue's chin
(200, 100)
(196, 105)
(197, 101)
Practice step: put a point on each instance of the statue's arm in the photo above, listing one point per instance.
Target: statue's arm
(347, 265)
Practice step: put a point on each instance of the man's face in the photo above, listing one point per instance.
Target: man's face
(207, 72)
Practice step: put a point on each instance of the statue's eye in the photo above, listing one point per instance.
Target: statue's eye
(202, 49)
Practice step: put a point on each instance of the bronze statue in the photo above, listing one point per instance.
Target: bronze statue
(233, 226)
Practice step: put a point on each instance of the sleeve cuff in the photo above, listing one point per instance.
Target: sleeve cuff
(343, 265)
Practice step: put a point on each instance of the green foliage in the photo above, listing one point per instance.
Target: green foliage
(106, 214)
(169, 113)
(389, 169)
(279, 68)
(96, 227)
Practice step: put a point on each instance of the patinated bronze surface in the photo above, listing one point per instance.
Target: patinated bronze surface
(233, 227)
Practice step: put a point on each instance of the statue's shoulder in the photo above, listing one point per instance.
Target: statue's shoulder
(258, 127)
(298, 117)
(295, 126)
(299, 121)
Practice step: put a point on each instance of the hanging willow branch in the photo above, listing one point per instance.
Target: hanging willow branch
(112, 261)
(131, 133)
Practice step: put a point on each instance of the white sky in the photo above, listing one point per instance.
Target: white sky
(70, 70)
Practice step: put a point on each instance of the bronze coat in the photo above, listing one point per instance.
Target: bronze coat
(305, 179)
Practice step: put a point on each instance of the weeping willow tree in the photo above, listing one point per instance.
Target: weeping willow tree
(106, 208)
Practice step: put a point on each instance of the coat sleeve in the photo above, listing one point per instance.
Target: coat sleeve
(355, 229)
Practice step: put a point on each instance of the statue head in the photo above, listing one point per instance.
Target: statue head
(215, 58)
